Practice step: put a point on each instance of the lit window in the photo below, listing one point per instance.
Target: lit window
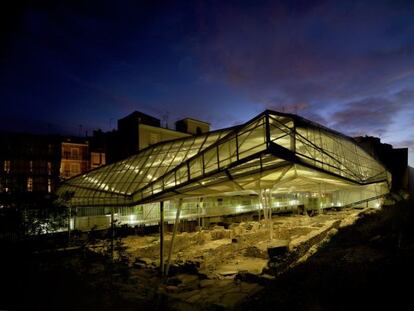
(6, 185)
(7, 166)
(96, 159)
(65, 170)
(49, 185)
(30, 184)
(75, 153)
(49, 168)
(74, 168)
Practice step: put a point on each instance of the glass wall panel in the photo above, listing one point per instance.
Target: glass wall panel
(210, 160)
(196, 167)
(281, 131)
(227, 152)
(252, 139)
(337, 154)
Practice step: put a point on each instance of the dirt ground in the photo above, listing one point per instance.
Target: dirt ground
(340, 260)
(212, 250)
(216, 266)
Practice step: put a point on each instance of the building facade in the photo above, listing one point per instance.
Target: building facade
(151, 135)
(75, 157)
(29, 167)
(192, 126)
(32, 166)
(138, 131)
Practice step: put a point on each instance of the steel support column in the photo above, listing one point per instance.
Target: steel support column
(162, 238)
(177, 220)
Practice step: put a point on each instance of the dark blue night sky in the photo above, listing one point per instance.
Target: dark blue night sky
(346, 64)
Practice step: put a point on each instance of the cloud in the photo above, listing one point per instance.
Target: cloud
(367, 116)
(405, 96)
(321, 53)
(346, 64)
(372, 115)
(407, 143)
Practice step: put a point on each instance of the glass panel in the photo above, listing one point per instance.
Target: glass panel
(182, 174)
(210, 160)
(252, 141)
(196, 167)
(227, 152)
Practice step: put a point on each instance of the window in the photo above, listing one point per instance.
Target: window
(49, 168)
(6, 185)
(98, 158)
(75, 153)
(30, 184)
(49, 185)
(7, 166)
(103, 159)
(65, 169)
(31, 166)
(75, 168)
(95, 158)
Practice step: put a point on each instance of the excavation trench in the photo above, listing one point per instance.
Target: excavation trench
(241, 247)
(225, 265)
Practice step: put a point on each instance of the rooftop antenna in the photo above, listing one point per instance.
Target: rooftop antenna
(80, 130)
(165, 119)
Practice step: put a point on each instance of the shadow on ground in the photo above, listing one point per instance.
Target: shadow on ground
(367, 265)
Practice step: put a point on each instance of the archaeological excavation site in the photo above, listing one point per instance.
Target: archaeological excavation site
(241, 204)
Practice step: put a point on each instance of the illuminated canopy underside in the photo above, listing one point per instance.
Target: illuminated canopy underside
(277, 151)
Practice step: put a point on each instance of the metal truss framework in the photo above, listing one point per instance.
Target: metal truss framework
(274, 150)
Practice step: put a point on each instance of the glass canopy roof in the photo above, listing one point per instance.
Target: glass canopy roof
(272, 151)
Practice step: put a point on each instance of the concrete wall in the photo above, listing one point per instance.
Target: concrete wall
(150, 135)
